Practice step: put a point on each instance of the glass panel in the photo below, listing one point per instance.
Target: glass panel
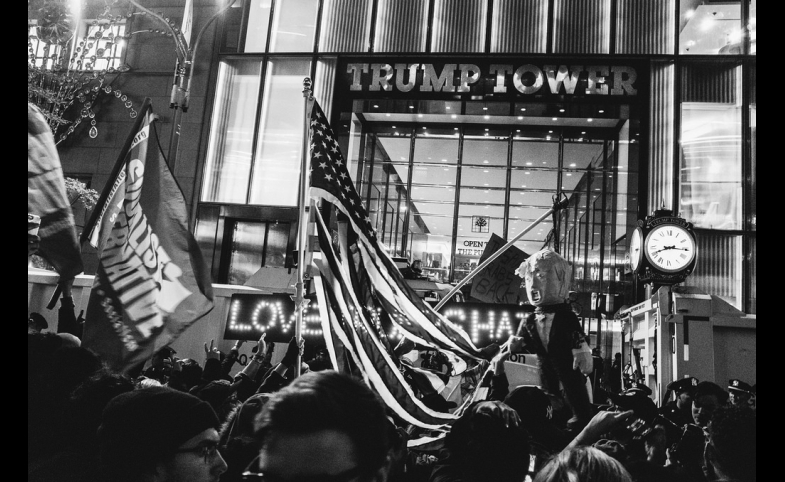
(531, 198)
(345, 26)
(433, 174)
(436, 150)
(753, 28)
(228, 160)
(441, 193)
(230, 32)
(401, 26)
(570, 180)
(459, 25)
(711, 165)
(523, 217)
(375, 207)
(494, 196)
(441, 209)
(718, 270)
(754, 167)
(435, 253)
(753, 281)
(258, 25)
(475, 225)
(530, 178)
(277, 242)
(714, 28)
(582, 155)
(479, 177)
(277, 166)
(540, 154)
(246, 256)
(294, 25)
(490, 152)
(395, 149)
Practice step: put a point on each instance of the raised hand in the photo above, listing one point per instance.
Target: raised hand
(212, 352)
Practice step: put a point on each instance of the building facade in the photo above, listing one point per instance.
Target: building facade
(461, 120)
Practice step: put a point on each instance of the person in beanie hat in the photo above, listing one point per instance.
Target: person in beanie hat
(159, 434)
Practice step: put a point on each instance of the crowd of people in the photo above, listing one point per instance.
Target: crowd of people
(173, 419)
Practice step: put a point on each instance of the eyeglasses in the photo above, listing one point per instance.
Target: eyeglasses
(206, 449)
(250, 474)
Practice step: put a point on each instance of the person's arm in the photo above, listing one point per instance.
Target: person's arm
(500, 386)
(176, 375)
(602, 423)
(275, 377)
(66, 320)
(228, 362)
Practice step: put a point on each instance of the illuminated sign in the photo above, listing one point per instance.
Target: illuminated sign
(250, 315)
(523, 78)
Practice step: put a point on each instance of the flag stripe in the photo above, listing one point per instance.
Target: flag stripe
(368, 348)
(364, 295)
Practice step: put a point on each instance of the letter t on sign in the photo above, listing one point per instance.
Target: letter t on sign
(356, 70)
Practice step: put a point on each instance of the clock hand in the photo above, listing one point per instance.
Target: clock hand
(666, 247)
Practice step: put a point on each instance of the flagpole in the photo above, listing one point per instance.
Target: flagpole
(300, 303)
(556, 206)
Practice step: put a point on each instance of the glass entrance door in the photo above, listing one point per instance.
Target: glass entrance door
(438, 191)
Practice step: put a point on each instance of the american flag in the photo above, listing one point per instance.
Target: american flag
(364, 297)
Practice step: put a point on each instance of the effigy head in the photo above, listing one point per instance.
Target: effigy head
(546, 277)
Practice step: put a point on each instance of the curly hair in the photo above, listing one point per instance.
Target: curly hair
(732, 445)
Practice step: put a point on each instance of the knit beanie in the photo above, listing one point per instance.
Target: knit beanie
(144, 426)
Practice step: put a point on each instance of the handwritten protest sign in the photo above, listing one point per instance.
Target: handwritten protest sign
(497, 282)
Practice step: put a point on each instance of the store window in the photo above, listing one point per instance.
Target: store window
(278, 152)
(254, 244)
(710, 170)
(294, 26)
(711, 28)
(228, 161)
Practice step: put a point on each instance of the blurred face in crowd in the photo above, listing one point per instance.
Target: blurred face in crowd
(196, 460)
(738, 398)
(684, 400)
(703, 407)
(312, 457)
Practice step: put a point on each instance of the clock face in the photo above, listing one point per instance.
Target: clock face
(636, 249)
(670, 248)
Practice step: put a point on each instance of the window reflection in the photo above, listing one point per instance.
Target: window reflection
(713, 28)
(294, 25)
(228, 161)
(711, 165)
(258, 24)
(278, 152)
